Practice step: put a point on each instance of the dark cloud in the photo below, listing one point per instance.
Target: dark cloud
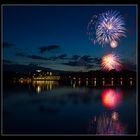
(85, 61)
(78, 63)
(129, 66)
(37, 57)
(72, 63)
(63, 56)
(7, 61)
(8, 45)
(48, 48)
(75, 57)
(20, 54)
(87, 58)
(53, 58)
(97, 60)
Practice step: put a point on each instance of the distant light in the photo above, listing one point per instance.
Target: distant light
(38, 70)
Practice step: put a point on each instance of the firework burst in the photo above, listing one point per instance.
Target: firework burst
(111, 61)
(106, 27)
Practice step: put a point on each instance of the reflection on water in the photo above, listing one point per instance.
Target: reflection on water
(106, 123)
(111, 98)
(44, 85)
(68, 109)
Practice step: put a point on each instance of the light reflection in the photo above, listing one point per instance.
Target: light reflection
(86, 83)
(131, 83)
(94, 83)
(74, 84)
(44, 85)
(115, 116)
(103, 83)
(79, 82)
(38, 89)
(106, 124)
(111, 98)
(71, 82)
(112, 82)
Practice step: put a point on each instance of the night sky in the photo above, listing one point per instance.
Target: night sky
(55, 37)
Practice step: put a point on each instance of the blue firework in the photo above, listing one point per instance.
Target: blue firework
(110, 26)
(106, 27)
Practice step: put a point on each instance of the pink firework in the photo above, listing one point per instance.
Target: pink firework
(111, 61)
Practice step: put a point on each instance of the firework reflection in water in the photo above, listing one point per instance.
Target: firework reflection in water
(106, 125)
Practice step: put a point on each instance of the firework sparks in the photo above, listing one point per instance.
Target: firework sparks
(114, 44)
(111, 61)
(106, 27)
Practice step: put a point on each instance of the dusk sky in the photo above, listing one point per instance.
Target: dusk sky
(55, 37)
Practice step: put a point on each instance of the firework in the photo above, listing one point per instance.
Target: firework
(106, 27)
(114, 44)
(111, 61)
(91, 32)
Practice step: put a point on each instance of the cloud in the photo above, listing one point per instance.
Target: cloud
(97, 60)
(8, 45)
(75, 57)
(87, 58)
(78, 63)
(48, 48)
(7, 61)
(37, 57)
(85, 61)
(20, 54)
(72, 63)
(128, 64)
(63, 56)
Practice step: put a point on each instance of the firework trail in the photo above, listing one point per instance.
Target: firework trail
(106, 28)
(111, 61)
